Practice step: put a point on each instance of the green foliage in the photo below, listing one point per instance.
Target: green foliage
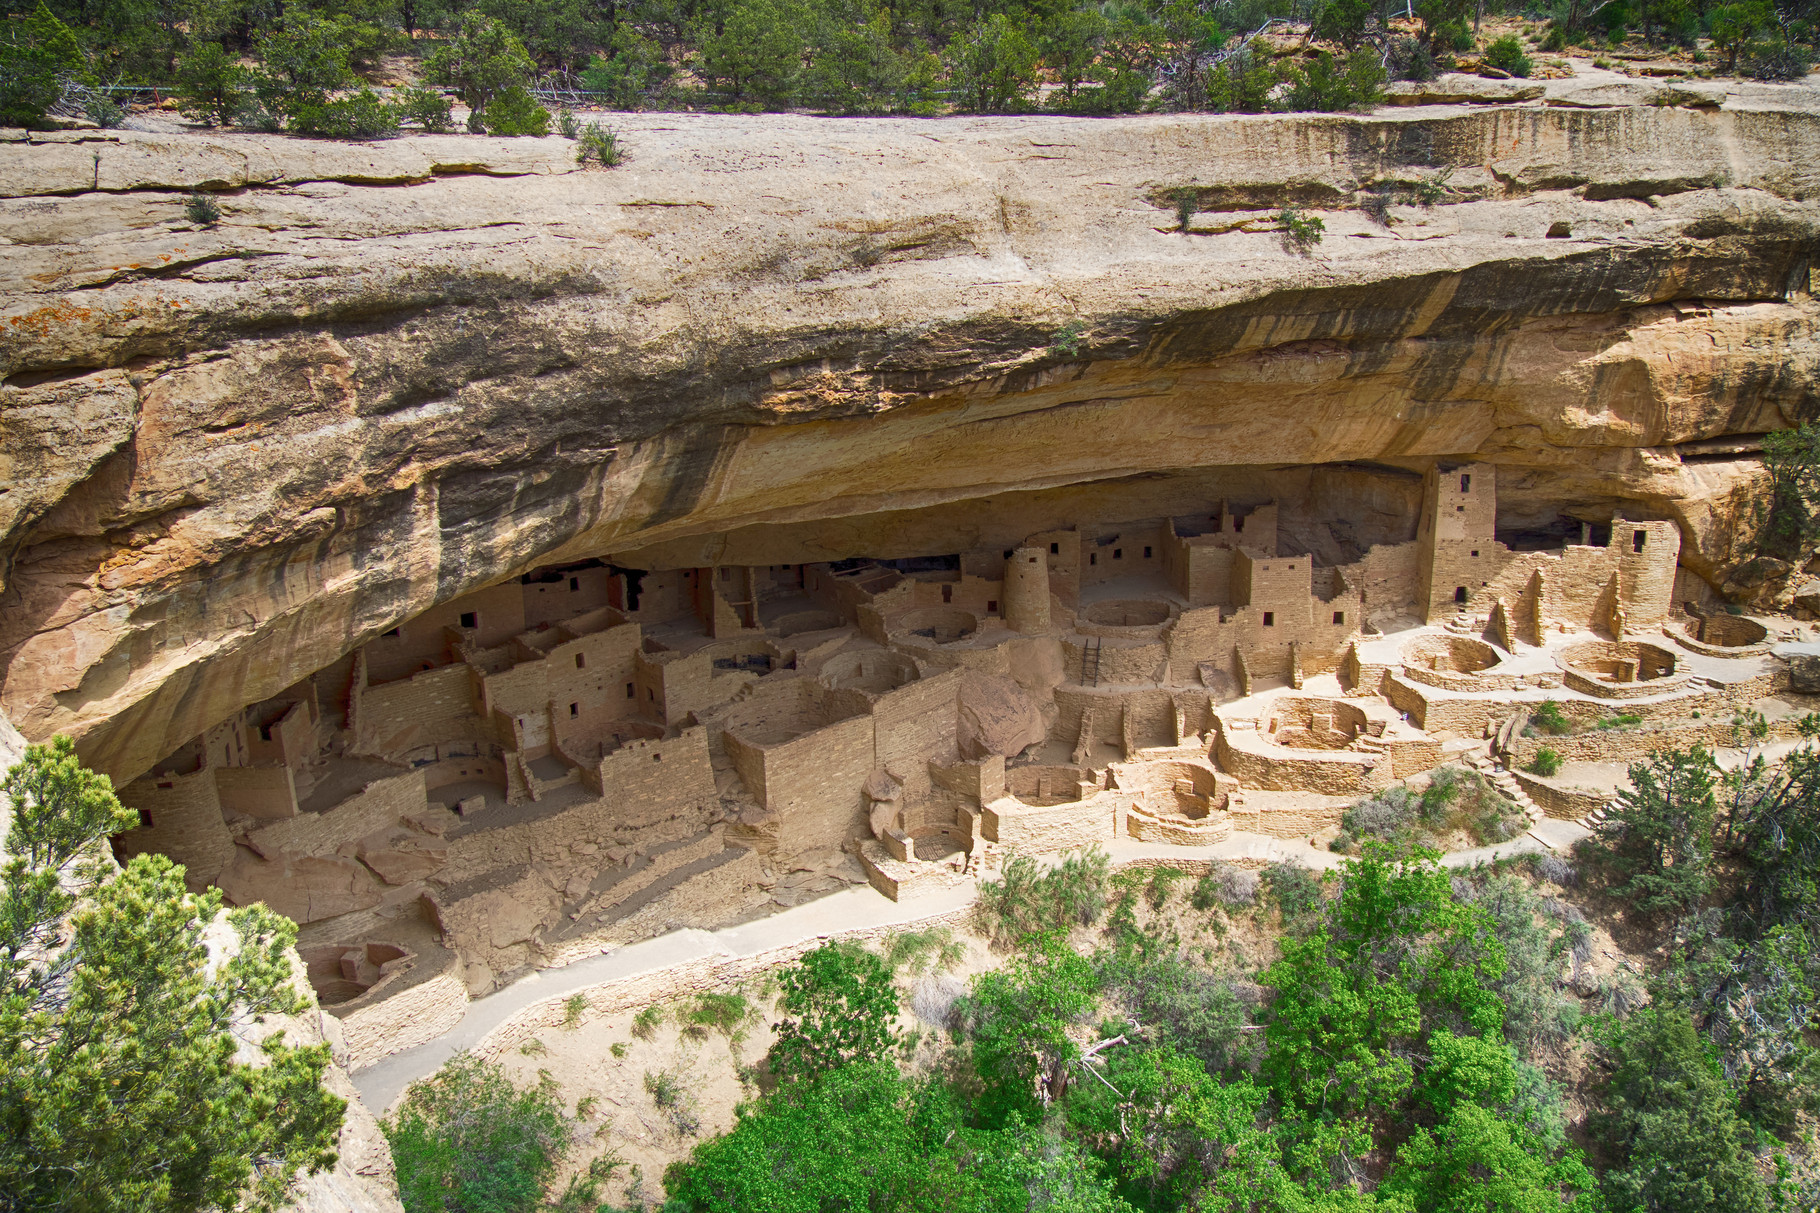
(644, 1024)
(671, 1096)
(1659, 834)
(198, 207)
(1178, 1006)
(1670, 1121)
(1548, 718)
(1021, 1019)
(1292, 888)
(632, 70)
(1792, 459)
(1029, 899)
(1506, 54)
(599, 144)
(38, 56)
(429, 109)
(723, 1013)
(1301, 232)
(211, 85)
(1330, 86)
(480, 62)
(754, 56)
(1187, 201)
(1537, 1013)
(993, 66)
(468, 1141)
(839, 1004)
(932, 950)
(121, 1090)
(513, 111)
(1621, 720)
(1546, 762)
(1241, 83)
(104, 112)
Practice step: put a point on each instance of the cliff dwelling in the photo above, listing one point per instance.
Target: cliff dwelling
(594, 752)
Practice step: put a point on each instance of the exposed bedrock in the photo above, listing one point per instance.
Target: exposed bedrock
(396, 373)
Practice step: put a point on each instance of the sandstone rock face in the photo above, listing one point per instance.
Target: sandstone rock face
(397, 372)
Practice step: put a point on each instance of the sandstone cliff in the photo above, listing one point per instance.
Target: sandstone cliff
(394, 373)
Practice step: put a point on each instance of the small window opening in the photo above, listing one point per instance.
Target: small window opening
(1270, 619)
(1146, 553)
(992, 606)
(470, 619)
(1093, 557)
(1033, 560)
(574, 584)
(1459, 509)
(1055, 549)
(947, 593)
(1475, 555)
(1638, 539)
(726, 574)
(1459, 593)
(657, 758)
(1238, 524)
(265, 732)
(1466, 484)
(145, 815)
(1118, 553)
(581, 661)
(575, 709)
(631, 691)
(1339, 618)
(1008, 553)
(166, 784)
(651, 696)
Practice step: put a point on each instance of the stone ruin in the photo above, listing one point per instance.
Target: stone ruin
(592, 753)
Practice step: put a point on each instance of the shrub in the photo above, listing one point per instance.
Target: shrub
(104, 112)
(839, 1004)
(1187, 200)
(1410, 59)
(1623, 720)
(1547, 718)
(38, 56)
(515, 112)
(722, 1013)
(1777, 61)
(993, 66)
(1027, 900)
(929, 951)
(468, 1140)
(1341, 843)
(1545, 763)
(199, 208)
(644, 1024)
(1660, 831)
(1506, 54)
(1556, 38)
(672, 1099)
(360, 115)
(480, 62)
(1295, 890)
(1242, 82)
(1300, 232)
(1328, 86)
(1388, 816)
(426, 107)
(634, 69)
(1374, 204)
(597, 143)
(211, 86)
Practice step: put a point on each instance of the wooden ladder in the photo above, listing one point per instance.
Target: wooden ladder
(1090, 663)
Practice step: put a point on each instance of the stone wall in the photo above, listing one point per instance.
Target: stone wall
(180, 816)
(437, 705)
(381, 803)
(267, 793)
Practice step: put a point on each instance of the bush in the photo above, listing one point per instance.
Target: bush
(1027, 900)
(211, 86)
(1295, 890)
(429, 109)
(1300, 232)
(360, 115)
(104, 112)
(198, 207)
(1242, 82)
(1545, 763)
(1410, 59)
(1777, 61)
(1556, 38)
(1506, 54)
(480, 62)
(1547, 718)
(1326, 86)
(38, 56)
(515, 112)
(839, 1005)
(597, 143)
(993, 66)
(468, 1141)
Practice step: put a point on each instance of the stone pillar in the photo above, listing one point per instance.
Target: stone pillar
(1026, 591)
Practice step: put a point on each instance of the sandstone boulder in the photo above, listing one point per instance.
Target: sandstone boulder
(996, 717)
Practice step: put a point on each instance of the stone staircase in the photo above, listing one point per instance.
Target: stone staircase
(1507, 786)
(1596, 818)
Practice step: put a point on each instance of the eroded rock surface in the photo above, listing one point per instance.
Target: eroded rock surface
(396, 373)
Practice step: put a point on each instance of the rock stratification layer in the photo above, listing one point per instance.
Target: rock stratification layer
(396, 373)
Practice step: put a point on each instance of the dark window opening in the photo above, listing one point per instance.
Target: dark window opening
(631, 691)
(1146, 553)
(1459, 509)
(265, 732)
(657, 758)
(1339, 617)
(1638, 539)
(1238, 524)
(1459, 593)
(1118, 553)
(726, 574)
(574, 584)
(581, 661)
(1466, 484)
(1093, 557)
(651, 695)
(1270, 619)
(145, 815)
(575, 709)
(947, 593)
(1033, 560)
(470, 619)
(992, 606)
(166, 784)
(1475, 554)
(1055, 549)
(1007, 553)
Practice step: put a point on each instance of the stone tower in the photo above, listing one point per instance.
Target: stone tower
(1027, 591)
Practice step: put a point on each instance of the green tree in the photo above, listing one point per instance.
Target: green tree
(38, 56)
(211, 85)
(838, 1006)
(756, 54)
(468, 1141)
(120, 1087)
(1670, 1121)
(633, 68)
(993, 66)
(1660, 834)
(480, 62)
(1021, 1019)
